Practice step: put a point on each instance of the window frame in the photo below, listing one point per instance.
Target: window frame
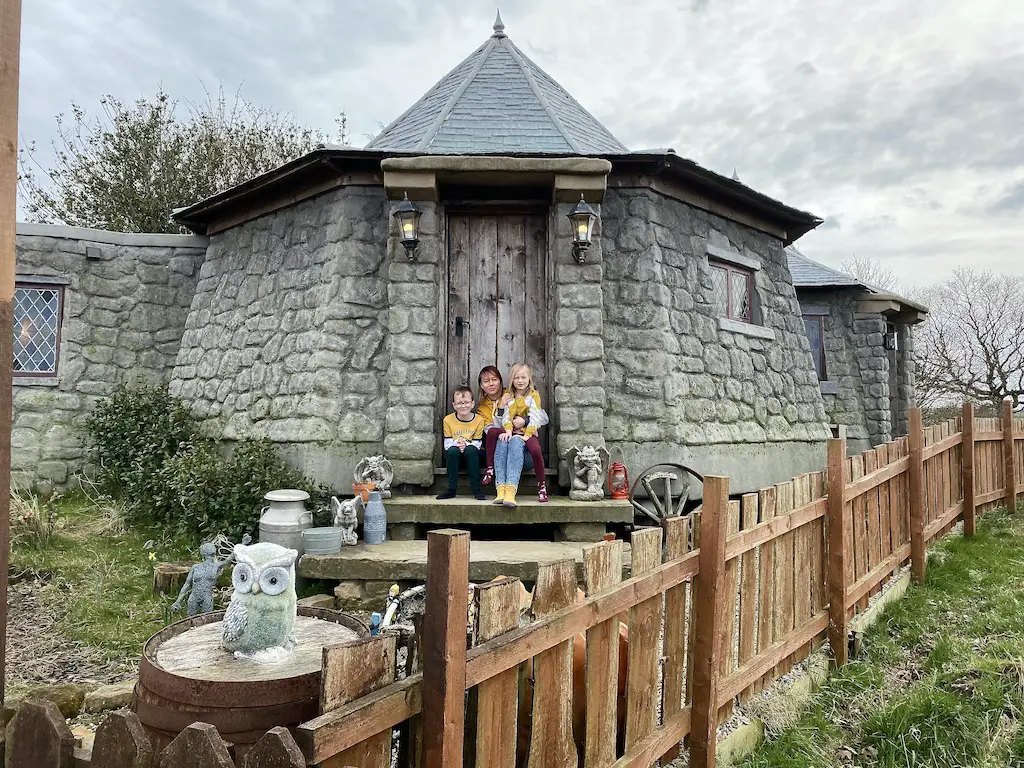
(748, 275)
(818, 317)
(40, 285)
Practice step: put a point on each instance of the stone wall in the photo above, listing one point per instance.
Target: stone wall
(286, 336)
(856, 390)
(683, 386)
(126, 298)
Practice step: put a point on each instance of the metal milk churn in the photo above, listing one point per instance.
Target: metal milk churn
(285, 517)
(375, 520)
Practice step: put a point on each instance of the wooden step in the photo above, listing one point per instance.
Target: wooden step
(465, 510)
(407, 560)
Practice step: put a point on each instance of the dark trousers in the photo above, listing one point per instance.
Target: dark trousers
(454, 457)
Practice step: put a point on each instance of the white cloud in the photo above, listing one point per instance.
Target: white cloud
(898, 122)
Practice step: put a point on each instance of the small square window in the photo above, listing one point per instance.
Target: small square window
(732, 292)
(37, 320)
(814, 326)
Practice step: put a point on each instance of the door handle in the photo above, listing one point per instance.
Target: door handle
(460, 325)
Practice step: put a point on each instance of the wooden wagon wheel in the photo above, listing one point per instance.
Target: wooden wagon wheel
(668, 486)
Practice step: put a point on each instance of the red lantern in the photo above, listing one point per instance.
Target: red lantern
(618, 480)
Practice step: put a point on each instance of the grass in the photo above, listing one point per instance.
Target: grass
(94, 568)
(941, 679)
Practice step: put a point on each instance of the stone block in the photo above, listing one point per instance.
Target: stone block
(110, 697)
(318, 601)
(575, 295)
(584, 532)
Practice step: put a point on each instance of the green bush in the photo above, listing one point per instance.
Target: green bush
(148, 451)
(218, 493)
(131, 435)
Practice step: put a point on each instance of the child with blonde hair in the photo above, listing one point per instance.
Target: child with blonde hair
(513, 442)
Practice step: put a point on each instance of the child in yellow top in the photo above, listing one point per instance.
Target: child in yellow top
(463, 432)
(515, 440)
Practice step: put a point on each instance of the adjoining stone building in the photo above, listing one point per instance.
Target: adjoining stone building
(679, 338)
(862, 347)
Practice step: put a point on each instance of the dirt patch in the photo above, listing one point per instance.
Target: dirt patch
(38, 653)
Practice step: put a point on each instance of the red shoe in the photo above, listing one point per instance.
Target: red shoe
(542, 491)
(488, 477)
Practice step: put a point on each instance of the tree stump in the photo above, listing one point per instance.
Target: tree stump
(168, 577)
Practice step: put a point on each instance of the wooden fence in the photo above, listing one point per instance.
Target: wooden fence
(718, 605)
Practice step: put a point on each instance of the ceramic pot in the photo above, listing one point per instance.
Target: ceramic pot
(363, 489)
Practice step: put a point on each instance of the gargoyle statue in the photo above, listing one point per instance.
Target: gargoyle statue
(345, 516)
(376, 470)
(588, 470)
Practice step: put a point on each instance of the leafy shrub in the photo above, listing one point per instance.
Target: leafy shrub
(218, 493)
(149, 452)
(131, 435)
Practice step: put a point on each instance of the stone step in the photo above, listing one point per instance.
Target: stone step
(395, 561)
(464, 509)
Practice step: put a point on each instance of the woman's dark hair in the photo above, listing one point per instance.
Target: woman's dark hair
(489, 369)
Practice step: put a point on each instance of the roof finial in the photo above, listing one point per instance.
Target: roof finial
(499, 26)
(735, 176)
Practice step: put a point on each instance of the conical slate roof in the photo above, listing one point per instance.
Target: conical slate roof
(495, 101)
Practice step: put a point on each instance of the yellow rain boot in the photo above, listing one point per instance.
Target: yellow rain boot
(510, 495)
(501, 494)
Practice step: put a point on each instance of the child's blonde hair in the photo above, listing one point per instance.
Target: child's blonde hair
(519, 368)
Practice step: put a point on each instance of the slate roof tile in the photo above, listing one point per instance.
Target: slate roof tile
(497, 100)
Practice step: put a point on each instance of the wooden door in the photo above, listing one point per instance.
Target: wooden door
(497, 298)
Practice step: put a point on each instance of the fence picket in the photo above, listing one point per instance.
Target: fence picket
(275, 749)
(709, 613)
(1010, 465)
(121, 742)
(644, 639)
(551, 739)
(38, 736)
(602, 568)
(766, 583)
(860, 528)
(873, 515)
(199, 746)
(967, 481)
(497, 612)
(784, 566)
(917, 499)
(677, 544)
(748, 589)
(727, 662)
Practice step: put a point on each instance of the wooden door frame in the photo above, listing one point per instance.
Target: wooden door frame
(495, 208)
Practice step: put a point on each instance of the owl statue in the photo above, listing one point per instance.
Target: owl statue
(261, 614)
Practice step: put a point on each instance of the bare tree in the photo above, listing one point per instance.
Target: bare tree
(871, 272)
(129, 168)
(972, 345)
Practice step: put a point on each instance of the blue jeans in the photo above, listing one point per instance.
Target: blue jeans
(508, 461)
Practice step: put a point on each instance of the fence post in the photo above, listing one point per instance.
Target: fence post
(708, 619)
(967, 460)
(839, 551)
(917, 511)
(444, 648)
(1010, 465)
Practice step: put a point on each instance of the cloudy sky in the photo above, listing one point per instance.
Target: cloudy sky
(900, 122)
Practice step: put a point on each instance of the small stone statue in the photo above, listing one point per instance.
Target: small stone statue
(588, 470)
(260, 620)
(202, 577)
(376, 470)
(346, 517)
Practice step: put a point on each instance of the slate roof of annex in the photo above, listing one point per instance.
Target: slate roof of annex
(808, 273)
(497, 101)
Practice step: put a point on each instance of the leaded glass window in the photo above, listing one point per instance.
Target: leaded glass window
(37, 313)
(814, 325)
(732, 292)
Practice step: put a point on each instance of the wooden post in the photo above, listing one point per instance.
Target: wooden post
(444, 648)
(1009, 464)
(708, 604)
(10, 54)
(497, 612)
(839, 550)
(967, 454)
(917, 543)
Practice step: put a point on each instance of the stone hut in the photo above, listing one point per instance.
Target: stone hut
(678, 338)
(862, 347)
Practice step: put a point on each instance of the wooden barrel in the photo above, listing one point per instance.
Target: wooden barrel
(185, 677)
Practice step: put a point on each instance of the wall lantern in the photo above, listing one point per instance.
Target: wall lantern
(889, 340)
(408, 216)
(582, 218)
